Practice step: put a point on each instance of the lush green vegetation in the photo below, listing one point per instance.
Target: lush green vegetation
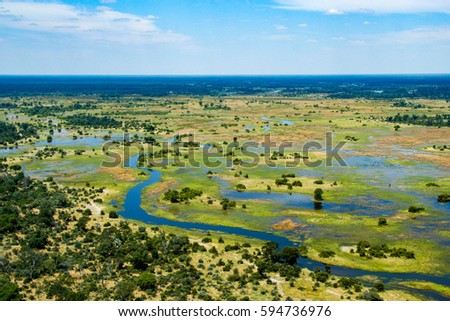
(423, 120)
(11, 133)
(184, 195)
(86, 120)
(368, 200)
(365, 249)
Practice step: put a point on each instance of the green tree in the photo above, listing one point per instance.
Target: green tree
(147, 281)
(318, 194)
(382, 221)
(289, 255)
(9, 291)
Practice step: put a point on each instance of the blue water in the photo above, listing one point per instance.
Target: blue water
(132, 210)
(302, 201)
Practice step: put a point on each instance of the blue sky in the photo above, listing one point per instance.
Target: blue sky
(159, 37)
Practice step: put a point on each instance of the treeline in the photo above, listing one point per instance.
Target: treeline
(93, 121)
(42, 110)
(423, 120)
(11, 133)
(8, 105)
(404, 104)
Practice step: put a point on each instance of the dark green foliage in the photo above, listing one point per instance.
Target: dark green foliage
(443, 198)
(365, 249)
(416, 209)
(86, 120)
(423, 120)
(175, 196)
(123, 291)
(227, 204)
(382, 221)
(281, 181)
(113, 214)
(9, 291)
(379, 286)
(240, 187)
(9, 219)
(297, 183)
(303, 250)
(37, 239)
(60, 290)
(349, 283)
(10, 133)
(147, 281)
(212, 106)
(289, 255)
(326, 253)
(318, 194)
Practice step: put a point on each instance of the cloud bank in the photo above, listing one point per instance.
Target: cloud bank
(101, 24)
(367, 6)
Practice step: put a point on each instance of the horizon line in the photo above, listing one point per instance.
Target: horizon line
(224, 75)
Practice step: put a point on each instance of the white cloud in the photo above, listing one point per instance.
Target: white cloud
(367, 6)
(334, 12)
(338, 38)
(302, 25)
(366, 23)
(101, 24)
(311, 41)
(108, 1)
(281, 27)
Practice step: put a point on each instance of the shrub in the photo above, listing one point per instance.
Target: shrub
(146, 281)
(326, 253)
(416, 209)
(113, 214)
(382, 221)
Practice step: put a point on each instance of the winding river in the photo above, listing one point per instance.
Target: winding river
(132, 210)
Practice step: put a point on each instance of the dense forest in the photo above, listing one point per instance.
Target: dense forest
(356, 86)
(11, 133)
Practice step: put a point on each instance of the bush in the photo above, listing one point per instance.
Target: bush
(443, 198)
(240, 187)
(379, 286)
(113, 214)
(9, 291)
(382, 221)
(326, 253)
(416, 209)
(146, 281)
(184, 195)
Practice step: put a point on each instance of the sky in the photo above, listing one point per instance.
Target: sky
(224, 37)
